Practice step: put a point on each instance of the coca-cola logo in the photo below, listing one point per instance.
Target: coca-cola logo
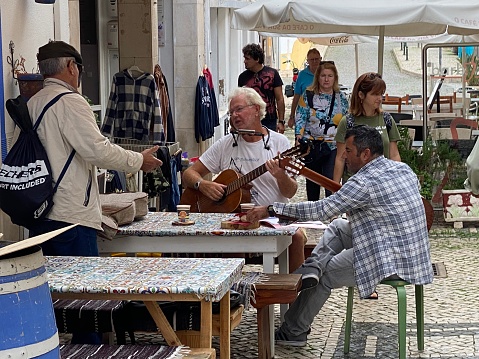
(339, 40)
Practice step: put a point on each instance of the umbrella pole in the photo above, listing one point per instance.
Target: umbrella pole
(464, 93)
(356, 57)
(381, 50)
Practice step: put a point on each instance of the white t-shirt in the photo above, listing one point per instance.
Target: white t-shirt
(244, 158)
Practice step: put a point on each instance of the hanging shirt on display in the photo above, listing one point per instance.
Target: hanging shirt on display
(132, 107)
(215, 118)
(166, 113)
(204, 127)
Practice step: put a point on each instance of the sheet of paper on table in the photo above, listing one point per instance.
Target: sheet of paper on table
(275, 223)
(309, 224)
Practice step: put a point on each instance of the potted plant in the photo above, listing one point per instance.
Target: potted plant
(28, 83)
(440, 167)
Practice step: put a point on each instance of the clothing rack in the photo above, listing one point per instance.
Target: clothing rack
(140, 146)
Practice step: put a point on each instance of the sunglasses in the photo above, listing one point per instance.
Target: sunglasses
(373, 75)
(326, 62)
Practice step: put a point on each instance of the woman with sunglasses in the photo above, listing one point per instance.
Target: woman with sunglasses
(319, 110)
(365, 109)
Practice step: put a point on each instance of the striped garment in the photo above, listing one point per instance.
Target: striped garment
(388, 223)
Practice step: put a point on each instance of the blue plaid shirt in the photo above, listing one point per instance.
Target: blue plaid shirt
(133, 109)
(388, 223)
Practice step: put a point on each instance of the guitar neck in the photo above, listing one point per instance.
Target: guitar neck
(317, 178)
(247, 178)
(258, 171)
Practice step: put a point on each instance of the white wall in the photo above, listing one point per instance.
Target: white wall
(166, 52)
(29, 25)
(227, 57)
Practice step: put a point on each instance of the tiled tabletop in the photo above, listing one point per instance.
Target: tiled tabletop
(160, 224)
(208, 278)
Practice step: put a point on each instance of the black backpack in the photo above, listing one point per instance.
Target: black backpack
(26, 183)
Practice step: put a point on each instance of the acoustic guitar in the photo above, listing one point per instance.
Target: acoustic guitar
(235, 192)
(297, 168)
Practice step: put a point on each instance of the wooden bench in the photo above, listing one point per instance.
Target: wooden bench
(82, 351)
(272, 289)
(277, 289)
(309, 246)
(191, 338)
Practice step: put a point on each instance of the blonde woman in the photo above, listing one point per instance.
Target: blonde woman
(319, 110)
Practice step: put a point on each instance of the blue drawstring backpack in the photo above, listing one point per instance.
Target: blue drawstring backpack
(26, 182)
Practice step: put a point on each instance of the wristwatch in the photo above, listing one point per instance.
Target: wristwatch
(271, 211)
(282, 122)
(197, 184)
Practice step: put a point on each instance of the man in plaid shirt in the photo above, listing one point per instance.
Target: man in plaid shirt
(385, 235)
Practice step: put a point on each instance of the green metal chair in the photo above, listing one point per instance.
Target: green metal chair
(401, 293)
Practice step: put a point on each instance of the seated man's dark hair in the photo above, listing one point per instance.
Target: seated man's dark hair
(366, 137)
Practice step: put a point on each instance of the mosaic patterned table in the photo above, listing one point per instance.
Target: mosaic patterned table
(151, 280)
(156, 233)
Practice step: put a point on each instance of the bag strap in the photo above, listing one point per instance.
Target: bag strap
(387, 121)
(47, 106)
(65, 167)
(331, 106)
(309, 98)
(37, 123)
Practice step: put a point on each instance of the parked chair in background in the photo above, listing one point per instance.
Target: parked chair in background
(445, 104)
(404, 99)
(396, 102)
(465, 108)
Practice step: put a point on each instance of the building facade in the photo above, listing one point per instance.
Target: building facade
(182, 36)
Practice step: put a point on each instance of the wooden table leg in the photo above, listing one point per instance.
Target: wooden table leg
(264, 330)
(225, 327)
(163, 324)
(206, 326)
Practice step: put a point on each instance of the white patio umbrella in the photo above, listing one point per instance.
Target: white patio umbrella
(372, 17)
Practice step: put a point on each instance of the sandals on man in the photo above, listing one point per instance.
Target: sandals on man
(374, 296)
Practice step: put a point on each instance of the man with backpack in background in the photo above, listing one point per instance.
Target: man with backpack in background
(69, 128)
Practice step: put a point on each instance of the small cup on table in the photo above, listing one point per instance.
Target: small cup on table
(183, 212)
